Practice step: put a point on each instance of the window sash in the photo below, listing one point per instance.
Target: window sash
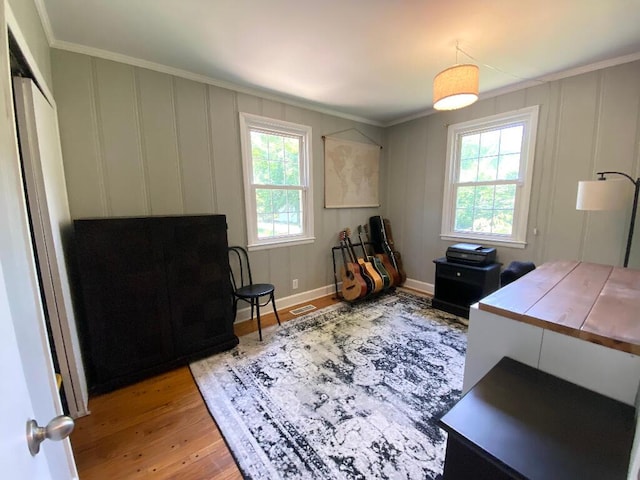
(252, 123)
(526, 117)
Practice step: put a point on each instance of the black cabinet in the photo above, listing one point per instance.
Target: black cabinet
(155, 294)
(518, 422)
(459, 285)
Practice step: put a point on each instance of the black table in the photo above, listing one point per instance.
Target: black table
(519, 422)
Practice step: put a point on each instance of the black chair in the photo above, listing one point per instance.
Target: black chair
(244, 288)
(514, 271)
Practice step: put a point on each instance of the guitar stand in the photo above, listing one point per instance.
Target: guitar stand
(335, 273)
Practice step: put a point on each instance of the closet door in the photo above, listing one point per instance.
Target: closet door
(126, 329)
(197, 265)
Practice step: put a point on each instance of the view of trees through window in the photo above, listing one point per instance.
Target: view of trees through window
(278, 183)
(488, 174)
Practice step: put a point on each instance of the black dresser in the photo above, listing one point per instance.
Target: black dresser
(459, 285)
(155, 295)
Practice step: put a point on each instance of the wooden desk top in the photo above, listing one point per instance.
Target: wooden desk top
(537, 426)
(597, 303)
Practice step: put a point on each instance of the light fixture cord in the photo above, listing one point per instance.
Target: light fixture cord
(495, 68)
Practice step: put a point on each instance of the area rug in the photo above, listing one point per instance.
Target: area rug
(345, 392)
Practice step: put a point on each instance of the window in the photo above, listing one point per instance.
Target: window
(277, 181)
(488, 178)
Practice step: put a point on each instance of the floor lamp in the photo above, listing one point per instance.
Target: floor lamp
(603, 194)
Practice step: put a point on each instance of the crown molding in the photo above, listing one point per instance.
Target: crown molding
(177, 72)
(572, 72)
(44, 20)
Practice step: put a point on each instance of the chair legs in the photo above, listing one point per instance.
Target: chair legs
(275, 310)
(255, 303)
(257, 300)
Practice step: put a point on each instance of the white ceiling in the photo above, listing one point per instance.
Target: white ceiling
(373, 60)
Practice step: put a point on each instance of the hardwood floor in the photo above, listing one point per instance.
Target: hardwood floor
(159, 428)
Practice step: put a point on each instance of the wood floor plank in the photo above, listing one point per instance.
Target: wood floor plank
(159, 428)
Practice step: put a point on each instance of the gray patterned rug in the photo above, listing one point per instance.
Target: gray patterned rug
(346, 392)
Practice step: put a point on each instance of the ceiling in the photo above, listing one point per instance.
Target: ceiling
(371, 60)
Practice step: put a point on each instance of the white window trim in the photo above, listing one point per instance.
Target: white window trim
(529, 117)
(248, 121)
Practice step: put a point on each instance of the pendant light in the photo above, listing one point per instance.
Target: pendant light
(456, 86)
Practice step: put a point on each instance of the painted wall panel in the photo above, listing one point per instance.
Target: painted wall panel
(84, 169)
(227, 162)
(117, 114)
(194, 146)
(159, 142)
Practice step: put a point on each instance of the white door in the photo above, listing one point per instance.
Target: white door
(15, 460)
(51, 223)
(27, 383)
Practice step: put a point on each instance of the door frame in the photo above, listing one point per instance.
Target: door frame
(63, 330)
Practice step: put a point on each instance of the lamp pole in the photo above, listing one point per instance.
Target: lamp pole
(636, 184)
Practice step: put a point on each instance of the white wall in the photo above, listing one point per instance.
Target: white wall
(27, 17)
(139, 142)
(587, 123)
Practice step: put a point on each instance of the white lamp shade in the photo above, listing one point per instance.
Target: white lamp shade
(456, 87)
(602, 195)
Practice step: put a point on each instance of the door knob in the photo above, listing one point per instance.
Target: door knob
(57, 429)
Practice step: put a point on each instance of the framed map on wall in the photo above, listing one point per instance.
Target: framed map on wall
(351, 174)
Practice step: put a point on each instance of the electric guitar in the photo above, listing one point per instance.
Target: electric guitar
(365, 266)
(394, 276)
(390, 247)
(375, 261)
(353, 285)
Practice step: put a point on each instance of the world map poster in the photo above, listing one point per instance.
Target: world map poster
(351, 174)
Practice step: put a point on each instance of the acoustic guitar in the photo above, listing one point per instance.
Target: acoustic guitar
(375, 261)
(370, 286)
(394, 276)
(366, 269)
(353, 285)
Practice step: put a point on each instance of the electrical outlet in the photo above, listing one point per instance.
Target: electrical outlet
(295, 283)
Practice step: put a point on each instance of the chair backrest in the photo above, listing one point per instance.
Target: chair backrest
(239, 267)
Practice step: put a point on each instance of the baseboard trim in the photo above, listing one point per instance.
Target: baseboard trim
(420, 286)
(284, 303)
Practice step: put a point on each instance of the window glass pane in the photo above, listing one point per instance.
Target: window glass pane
(464, 219)
(468, 170)
(295, 223)
(276, 173)
(261, 172)
(484, 196)
(503, 222)
(490, 143)
(281, 222)
(470, 146)
(511, 139)
(482, 220)
(263, 201)
(279, 201)
(465, 197)
(276, 148)
(265, 225)
(505, 196)
(294, 201)
(259, 146)
(292, 172)
(488, 168)
(509, 167)
(291, 149)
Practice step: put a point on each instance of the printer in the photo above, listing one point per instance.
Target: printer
(471, 254)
